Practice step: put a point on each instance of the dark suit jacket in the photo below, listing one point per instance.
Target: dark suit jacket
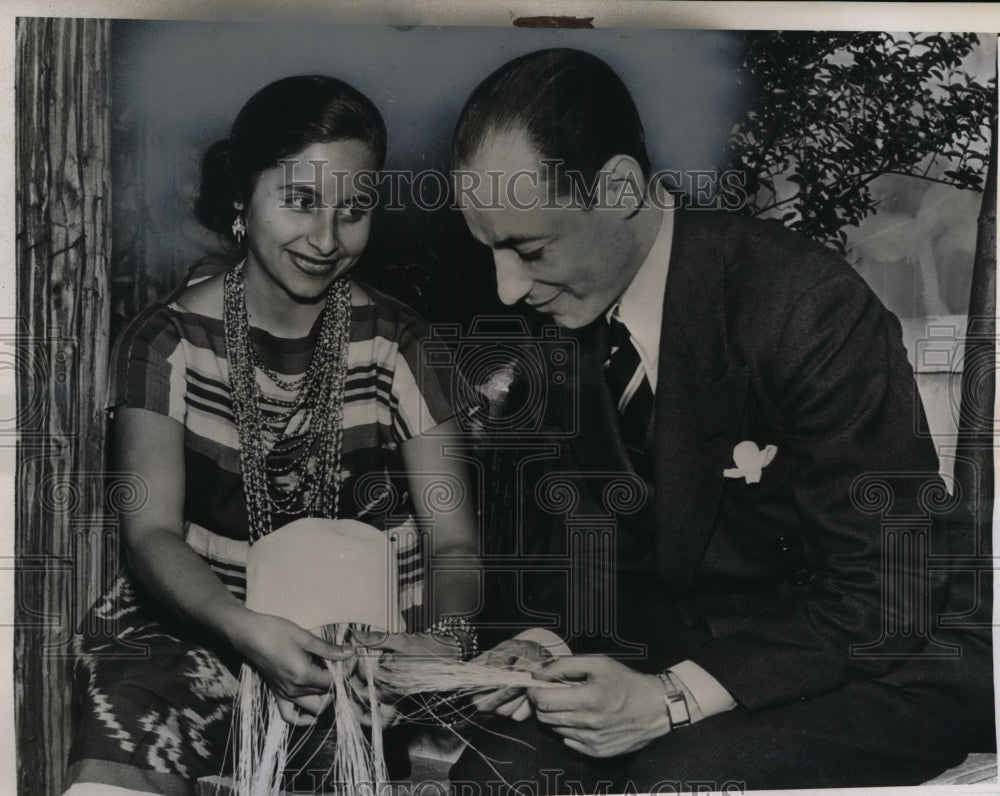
(772, 338)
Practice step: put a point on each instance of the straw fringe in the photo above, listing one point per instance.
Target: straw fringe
(405, 676)
(261, 736)
(380, 769)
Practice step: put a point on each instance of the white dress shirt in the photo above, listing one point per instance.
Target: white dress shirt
(640, 308)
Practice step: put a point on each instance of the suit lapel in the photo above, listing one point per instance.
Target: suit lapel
(699, 391)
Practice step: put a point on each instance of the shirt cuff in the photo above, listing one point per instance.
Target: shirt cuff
(709, 693)
(546, 639)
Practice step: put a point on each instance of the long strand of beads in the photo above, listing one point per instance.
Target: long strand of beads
(315, 415)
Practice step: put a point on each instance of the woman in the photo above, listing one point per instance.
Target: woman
(277, 390)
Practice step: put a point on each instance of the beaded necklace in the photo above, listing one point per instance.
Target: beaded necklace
(307, 429)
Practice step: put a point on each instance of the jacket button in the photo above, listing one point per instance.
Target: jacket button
(783, 544)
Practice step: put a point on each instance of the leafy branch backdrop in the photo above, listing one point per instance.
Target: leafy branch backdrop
(833, 112)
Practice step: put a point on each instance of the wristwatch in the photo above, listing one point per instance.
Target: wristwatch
(675, 702)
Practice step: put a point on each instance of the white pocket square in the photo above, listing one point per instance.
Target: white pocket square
(750, 461)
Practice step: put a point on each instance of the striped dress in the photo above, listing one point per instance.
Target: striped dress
(154, 693)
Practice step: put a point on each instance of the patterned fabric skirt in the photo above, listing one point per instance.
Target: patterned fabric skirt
(153, 705)
(153, 702)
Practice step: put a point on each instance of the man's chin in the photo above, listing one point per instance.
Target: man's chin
(559, 319)
(571, 320)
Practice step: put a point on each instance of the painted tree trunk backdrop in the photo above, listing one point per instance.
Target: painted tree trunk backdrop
(63, 193)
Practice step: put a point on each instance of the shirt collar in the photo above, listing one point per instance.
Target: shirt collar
(640, 307)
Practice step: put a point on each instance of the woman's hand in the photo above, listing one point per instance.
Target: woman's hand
(292, 662)
(413, 645)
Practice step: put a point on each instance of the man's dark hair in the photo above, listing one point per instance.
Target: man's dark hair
(572, 105)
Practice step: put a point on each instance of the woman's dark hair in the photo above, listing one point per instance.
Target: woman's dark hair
(281, 119)
(572, 105)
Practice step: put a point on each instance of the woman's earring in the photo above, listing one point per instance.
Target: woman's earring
(239, 228)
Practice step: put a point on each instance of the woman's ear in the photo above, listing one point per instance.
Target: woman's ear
(625, 184)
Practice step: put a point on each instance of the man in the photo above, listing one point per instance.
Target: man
(753, 385)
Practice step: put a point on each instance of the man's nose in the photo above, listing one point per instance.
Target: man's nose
(513, 284)
(323, 235)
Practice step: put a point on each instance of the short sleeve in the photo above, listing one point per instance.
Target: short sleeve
(421, 398)
(149, 370)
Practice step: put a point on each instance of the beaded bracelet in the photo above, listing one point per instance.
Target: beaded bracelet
(456, 627)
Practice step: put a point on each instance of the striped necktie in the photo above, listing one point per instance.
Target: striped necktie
(630, 391)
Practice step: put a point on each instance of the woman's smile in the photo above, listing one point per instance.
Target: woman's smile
(314, 266)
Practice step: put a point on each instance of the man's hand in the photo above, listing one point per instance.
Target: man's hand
(519, 654)
(610, 710)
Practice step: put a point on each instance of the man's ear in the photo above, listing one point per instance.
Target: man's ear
(625, 184)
